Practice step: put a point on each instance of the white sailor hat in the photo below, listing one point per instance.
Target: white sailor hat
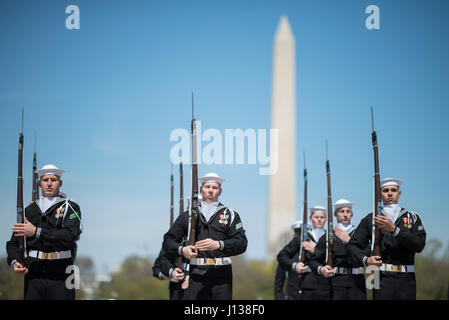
(317, 209)
(49, 169)
(390, 182)
(212, 177)
(343, 203)
(296, 225)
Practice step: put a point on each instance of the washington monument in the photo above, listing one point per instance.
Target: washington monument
(282, 185)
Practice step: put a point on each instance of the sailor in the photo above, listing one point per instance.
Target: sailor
(165, 268)
(288, 274)
(347, 281)
(52, 225)
(402, 235)
(311, 286)
(219, 235)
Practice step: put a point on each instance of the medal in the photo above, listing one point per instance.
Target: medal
(59, 213)
(223, 219)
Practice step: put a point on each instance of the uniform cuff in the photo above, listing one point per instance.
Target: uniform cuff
(12, 263)
(364, 261)
(319, 269)
(221, 245)
(169, 272)
(396, 232)
(160, 276)
(180, 250)
(38, 233)
(294, 266)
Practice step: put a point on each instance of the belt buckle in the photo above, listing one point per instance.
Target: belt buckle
(46, 255)
(396, 268)
(345, 271)
(210, 261)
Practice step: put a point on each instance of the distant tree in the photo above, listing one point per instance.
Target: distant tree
(252, 280)
(11, 285)
(134, 280)
(431, 269)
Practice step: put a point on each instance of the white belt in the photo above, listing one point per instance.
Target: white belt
(339, 270)
(397, 268)
(210, 261)
(50, 255)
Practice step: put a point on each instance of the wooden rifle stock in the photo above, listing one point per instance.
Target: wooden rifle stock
(330, 223)
(194, 199)
(303, 237)
(35, 194)
(20, 209)
(181, 189)
(377, 196)
(171, 200)
(181, 206)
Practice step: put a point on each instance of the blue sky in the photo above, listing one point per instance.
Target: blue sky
(104, 99)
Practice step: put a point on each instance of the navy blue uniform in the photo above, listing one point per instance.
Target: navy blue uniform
(209, 281)
(398, 249)
(50, 251)
(348, 283)
(310, 285)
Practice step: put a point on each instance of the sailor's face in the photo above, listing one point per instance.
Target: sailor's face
(50, 185)
(344, 215)
(390, 194)
(318, 218)
(210, 191)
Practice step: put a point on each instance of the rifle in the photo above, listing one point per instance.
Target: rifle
(181, 189)
(20, 212)
(330, 223)
(302, 252)
(193, 206)
(375, 240)
(35, 194)
(171, 198)
(194, 199)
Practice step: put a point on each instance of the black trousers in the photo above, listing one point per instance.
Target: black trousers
(396, 286)
(313, 287)
(47, 289)
(348, 287)
(315, 294)
(46, 280)
(212, 283)
(348, 293)
(176, 292)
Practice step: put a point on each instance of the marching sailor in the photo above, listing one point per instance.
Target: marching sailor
(165, 268)
(311, 286)
(288, 274)
(347, 282)
(219, 235)
(402, 235)
(52, 227)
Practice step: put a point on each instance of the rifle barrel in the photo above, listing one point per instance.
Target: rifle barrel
(330, 224)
